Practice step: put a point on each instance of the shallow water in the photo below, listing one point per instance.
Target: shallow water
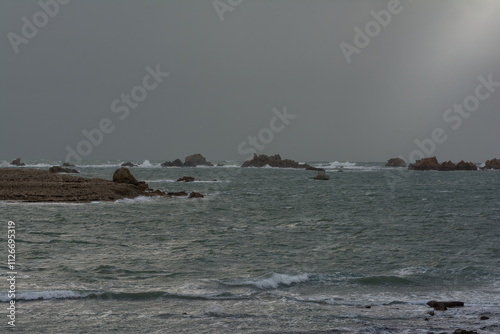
(267, 250)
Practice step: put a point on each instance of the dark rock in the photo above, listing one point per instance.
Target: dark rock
(368, 306)
(59, 169)
(128, 164)
(492, 164)
(185, 179)
(123, 175)
(67, 164)
(462, 165)
(395, 162)
(220, 165)
(442, 306)
(175, 163)
(142, 185)
(484, 318)
(314, 168)
(195, 195)
(463, 331)
(431, 313)
(178, 193)
(322, 175)
(447, 166)
(425, 164)
(196, 160)
(18, 162)
(273, 161)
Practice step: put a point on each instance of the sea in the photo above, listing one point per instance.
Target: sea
(267, 250)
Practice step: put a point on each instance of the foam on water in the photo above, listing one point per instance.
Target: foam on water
(43, 295)
(276, 280)
(138, 199)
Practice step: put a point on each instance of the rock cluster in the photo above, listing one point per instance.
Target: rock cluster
(433, 164)
(185, 179)
(190, 161)
(492, 164)
(395, 162)
(273, 161)
(17, 162)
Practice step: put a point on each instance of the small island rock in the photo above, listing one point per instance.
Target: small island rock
(196, 160)
(17, 162)
(128, 164)
(395, 162)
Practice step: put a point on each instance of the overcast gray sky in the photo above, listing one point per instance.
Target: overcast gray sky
(226, 76)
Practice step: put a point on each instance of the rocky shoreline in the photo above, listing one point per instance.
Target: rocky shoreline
(34, 185)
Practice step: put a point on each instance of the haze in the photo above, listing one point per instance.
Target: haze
(226, 77)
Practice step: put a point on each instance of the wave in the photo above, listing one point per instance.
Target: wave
(272, 282)
(138, 199)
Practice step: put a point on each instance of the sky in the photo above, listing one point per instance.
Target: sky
(312, 80)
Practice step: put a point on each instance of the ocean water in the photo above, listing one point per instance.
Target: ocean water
(266, 251)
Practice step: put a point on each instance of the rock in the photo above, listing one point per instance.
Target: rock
(443, 306)
(462, 165)
(142, 185)
(18, 162)
(195, 195)
(220, 165)
(67, 164)
(185, 179)
(196, 160)
(431, 313)
(484, 318)
(322, 175)
(273, 161)
(425, 164)
(175, 163)
(59, 169)
(123, 175)
(395, 162)
(178, 193)
(463, 331)
(492, 164)
(314, 168)
(447, 166)
(128, 164)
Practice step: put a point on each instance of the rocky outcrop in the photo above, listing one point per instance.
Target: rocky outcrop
(273, 161)
(462, 165)
(59, 169)
(123, 175)
(314, 168)
(195, 195)
(17, 162)
(196, 160)
(175, 163)
(443, 306)
(67, 164)
(185, 179)
(395, 162)
(492, 164)
(128, 164)
(35, 185)
(447, 166)
(425, 164)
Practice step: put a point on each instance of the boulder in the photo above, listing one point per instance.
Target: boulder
(18, 162)
(492, 164)
(175, 163)
(273, 161)
(462, 165)
(67, 164)
(447, 166)
(128, 164)
(195, 195)
(425, 164)
(185, 179)
(123, 175)
(196, 160)
(443, 306)
(395, 162)
(59, 169)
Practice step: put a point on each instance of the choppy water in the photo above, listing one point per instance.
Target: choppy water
(266, 251)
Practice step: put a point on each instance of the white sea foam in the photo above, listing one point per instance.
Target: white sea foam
(49, 294)
(138, 199)
(277, 279)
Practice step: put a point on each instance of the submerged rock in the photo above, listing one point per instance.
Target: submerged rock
(395, 162)
(17, 162)
(178, 193)
(185, 179)
(59, 169)
(175, 163)
(443, 306)
(195, 195)
(463, 331)
(123, 175)
(128, 164)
